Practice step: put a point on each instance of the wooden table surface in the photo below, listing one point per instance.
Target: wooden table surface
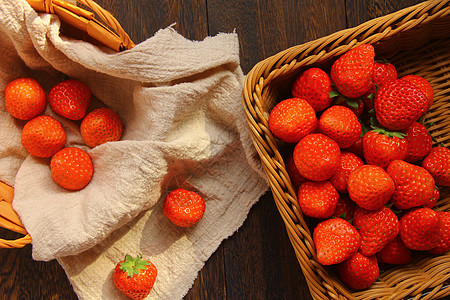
(258, 261)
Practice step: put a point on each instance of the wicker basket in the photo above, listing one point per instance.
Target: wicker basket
(417, 41)
(82, 24)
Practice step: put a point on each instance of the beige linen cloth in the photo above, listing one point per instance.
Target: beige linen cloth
(184, 127)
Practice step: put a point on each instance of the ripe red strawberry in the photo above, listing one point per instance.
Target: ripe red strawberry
(100, 126)
(444, 243)
(184, 208)
(438, 164)
(345, 208)
(71, 168)
(135, 277)
(376, 228)
(370, 187)
(357, 147)
(420, 229)
(314, 85)
(423, 85)
(317, 199)
(43, 136)
(414, 186)
(381, 147)
(394, 253)
(398, 104)
(293, 173)
(419, 141)
(341, 124)
(25, 98)
(383, 72)
(433, 200)
(292, 119)
(336, 240)
(352, 72)
(349, 162)
(317, 157)
(359, 272)
(70, 99)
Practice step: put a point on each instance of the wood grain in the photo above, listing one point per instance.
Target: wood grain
(257, 262)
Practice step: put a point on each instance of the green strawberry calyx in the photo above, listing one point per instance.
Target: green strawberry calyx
(389, 134)
(132, 265)
(340, 99)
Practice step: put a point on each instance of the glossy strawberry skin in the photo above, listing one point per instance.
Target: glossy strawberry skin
(376, 227)
(381, 150)
(292, 119)
(359, 272)
(398, 104)
(317, 199)
(341, 124)
(72, 168)
(423, 85)
(444, 243)
(433, 200)
(349, 162)
(414, 186)
(25, 99)
(352, 72)
(370, 187)
(383, 72)
(100, 126)
(419, 141)
(70, 99)
(420, 229)
(394, 253)
(345, 207)
(43, 136)
(184, 208)
(314, 85)
(317, 157)
(438, 164)
(336, 240)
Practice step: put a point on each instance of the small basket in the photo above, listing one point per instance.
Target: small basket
(417, 41)
(80, 23)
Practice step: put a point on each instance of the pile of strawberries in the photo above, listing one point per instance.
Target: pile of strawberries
(44, 136)
(364, 164)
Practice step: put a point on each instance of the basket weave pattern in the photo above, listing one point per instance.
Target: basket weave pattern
(417, 41)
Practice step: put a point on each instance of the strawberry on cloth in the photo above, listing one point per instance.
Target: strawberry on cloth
(184, 127)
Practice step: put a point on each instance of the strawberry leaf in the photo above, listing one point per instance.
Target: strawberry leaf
(333, 94)
(352, 104)
(132, 265)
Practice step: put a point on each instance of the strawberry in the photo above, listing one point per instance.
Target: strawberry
(345, 208)
(394, 253)
(370, 187)
(352, 72)
(438, 164)
(420, 229)
(70, 99)
(349, 162)
(359, 272)
(184, 208)
(419, 141)
(336, 240)
(314, 85)
(292, 119)
(135, 277)
(100, 126)
(25, 99)
(414, 186)
(293, 172)
(423, 85)
(383, 72)
(376, 228)
(341, 124)
(43, 136)
(357, 147)
(71, 168)
(317, 199)
(444, 243)
(433, 200)
(398, 104)
(381, 147)
(317, 157)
